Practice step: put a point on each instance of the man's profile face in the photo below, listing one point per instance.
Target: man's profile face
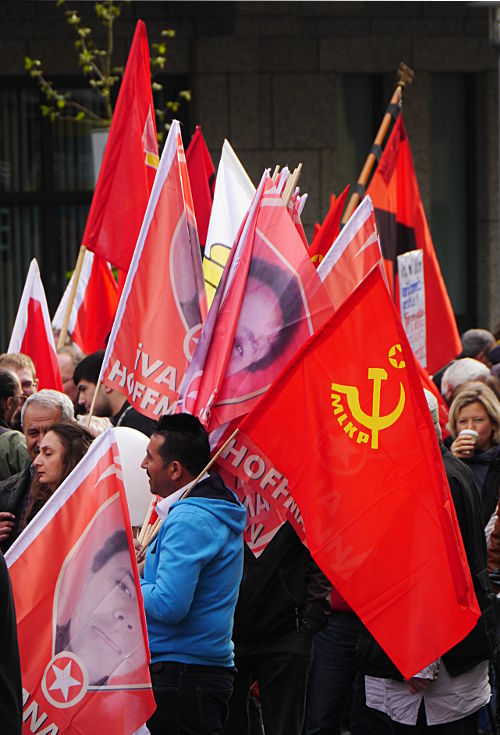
(37, 419)
(86, 391)
(159, 475)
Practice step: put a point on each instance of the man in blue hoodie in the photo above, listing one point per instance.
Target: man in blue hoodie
(190, 581)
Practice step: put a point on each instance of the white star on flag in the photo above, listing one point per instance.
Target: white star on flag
(64, 681)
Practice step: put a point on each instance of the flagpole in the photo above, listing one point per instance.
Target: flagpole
(71, 299)
(291, 184)
(405, 74)
(94, 399)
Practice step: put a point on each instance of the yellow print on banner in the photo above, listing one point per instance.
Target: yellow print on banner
(374, 422)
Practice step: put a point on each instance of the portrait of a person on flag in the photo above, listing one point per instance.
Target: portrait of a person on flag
(96, 612)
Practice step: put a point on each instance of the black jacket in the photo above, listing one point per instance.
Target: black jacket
(13, 493)
(282, 590)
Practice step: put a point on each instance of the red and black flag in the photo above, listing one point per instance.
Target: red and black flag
(402, 226)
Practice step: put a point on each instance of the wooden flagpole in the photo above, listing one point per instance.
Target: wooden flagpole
(291, 184)
(71, 300)
(405, 74)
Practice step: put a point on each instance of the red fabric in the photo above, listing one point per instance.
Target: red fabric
(202, 177)
(37, 345)
(129, 163)
(328, 232)
(402, 226)
(222, 382)
(97, 312)
(372, 492)
(104, 652)
(356, 251)
(443, 409)
(162, 309)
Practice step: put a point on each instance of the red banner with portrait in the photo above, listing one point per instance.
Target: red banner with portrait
(269, 302)
(163, 303)
(81, 624)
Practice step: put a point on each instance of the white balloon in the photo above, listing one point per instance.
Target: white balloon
(132, 447)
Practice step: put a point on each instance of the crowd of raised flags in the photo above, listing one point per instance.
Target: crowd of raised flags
(298, 345)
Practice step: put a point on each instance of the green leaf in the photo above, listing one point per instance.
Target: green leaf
(28, 63)
(185, 94)
(61, 103)
(80, 116)
(156, 86)
(168, 33)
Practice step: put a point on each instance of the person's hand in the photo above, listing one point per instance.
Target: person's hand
(6, 525)
(140, 555)
(463, 446)
(417, 685)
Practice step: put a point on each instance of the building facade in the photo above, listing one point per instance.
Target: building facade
(284, 82)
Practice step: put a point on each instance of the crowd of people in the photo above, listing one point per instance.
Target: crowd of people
(246, 644)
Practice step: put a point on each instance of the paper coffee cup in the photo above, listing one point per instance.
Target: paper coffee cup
(469, 432)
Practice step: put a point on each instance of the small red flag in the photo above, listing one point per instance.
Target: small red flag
(94, 307)
(81, 625)
(365, 470)
(129, 164)
(402, 226)
(202, 178)
(163, 303)
(32, 333)
(327, 233)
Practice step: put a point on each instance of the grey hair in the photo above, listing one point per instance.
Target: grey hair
(50, 399)
(462, 371)
(475, 341)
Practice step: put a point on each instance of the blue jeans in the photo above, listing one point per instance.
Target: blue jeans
(334, 680)
(190, 699)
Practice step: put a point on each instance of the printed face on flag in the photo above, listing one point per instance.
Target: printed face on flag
(80, 621)
(163, 303)
(269, 303)
(96, 608)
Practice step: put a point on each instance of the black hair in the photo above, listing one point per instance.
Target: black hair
(9, 384)
(185, 440)
(89, 368)
(114, 544)
(287, 292)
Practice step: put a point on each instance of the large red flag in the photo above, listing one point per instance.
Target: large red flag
(328, 232)
(163, 303)
(94, 307)
(402, 226)
(32, 332)
(202, 178)
(365, 470)
(81, 624)
(129, 163)
(269, 301)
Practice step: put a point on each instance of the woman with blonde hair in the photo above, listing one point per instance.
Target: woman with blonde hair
(474, 423)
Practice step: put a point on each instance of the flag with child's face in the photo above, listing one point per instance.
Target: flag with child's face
(81, 626)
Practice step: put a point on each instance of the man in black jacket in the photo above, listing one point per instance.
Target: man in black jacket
(283, 601)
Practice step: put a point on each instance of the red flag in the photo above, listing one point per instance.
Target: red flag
(268, 303)
(163, 303)
(328, 232)
(366, 473)
(81, 624)
(94, 307)
(202, 177)
(431, 386)
(402, 226)
(353, 254)
(129, 163)
(32, 333)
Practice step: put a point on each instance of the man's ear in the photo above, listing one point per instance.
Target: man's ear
(176, 470)
(106, 388)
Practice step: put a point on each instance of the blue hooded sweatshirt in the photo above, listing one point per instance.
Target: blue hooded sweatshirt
(192, 575)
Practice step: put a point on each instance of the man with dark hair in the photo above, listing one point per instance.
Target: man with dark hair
(190, 581)
(109, 402)
(13, 453)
